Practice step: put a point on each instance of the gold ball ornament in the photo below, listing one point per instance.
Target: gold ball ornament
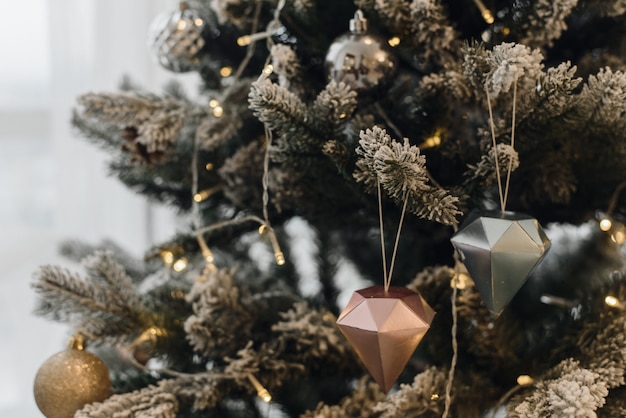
(68, 381)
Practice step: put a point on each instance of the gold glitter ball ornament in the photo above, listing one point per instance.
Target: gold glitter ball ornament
(68, 381)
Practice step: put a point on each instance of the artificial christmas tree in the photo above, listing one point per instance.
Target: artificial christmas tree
(282, 175)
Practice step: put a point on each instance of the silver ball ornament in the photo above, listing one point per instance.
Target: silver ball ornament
(363, 61)
(175, 39)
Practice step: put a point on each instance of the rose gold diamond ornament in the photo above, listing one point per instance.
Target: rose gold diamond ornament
(385, 328)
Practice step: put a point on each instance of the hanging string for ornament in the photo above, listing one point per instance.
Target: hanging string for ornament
(503, 195)
(500, 249)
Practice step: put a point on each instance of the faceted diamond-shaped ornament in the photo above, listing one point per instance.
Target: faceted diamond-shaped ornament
(385, 328)
(500, 250)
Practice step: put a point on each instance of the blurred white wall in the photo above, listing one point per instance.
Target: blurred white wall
(53, 184)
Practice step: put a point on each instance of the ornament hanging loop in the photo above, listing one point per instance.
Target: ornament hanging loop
(77, 342)
(358, 24)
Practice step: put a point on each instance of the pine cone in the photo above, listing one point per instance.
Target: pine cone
(138, 151)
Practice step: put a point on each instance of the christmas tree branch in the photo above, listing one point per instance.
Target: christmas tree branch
(402, 172)
(104, 306)
(546, 22)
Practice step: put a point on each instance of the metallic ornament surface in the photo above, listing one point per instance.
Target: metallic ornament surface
(68, 381)
(175, 39)
(385, 328)
(361, 60)
(500, 250)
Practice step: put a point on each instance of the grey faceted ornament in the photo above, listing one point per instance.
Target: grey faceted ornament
(175, 38)
(500, 250)
(361, 60)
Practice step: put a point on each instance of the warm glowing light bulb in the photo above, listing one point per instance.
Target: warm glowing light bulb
(432, 141)
(198, 197)
(218, 111)
(167, 256)
(434, 396)
(342, 116)
(213, 103)
(612, 301)
(461, 281)
(181, 25)
(208, 255)
(226, 71)
(619, 236)
(260, 390)
(209, 166)
(488, 16)
(268, 69)
(244, 40)
(394, 41)
(605, 224)
(524, 380)
(180, 264)
(198, 22)
(280, 258)
(264, 395)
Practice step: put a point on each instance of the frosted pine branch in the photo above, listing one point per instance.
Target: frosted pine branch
(100, 133)
(416, 398)
(108, 274)
(285, 64)
(276, 106)
(575, 392)
(156, 120)
(371, 141)
(402, 173)
(603, 347)
(335, 103)
(451, 82)
(609, 8)
(436, 205)
(401, 169)
(547, 22)
(603, 99)
(312, 332)
(214, 132)
(486, 167)
(103, 306)
(77, 251)
(152, 401)
(217, 313)
(508, 63)
(476, 66)
(301, 129)
(431, 28)
(396, 11)
(236, 12)
(426, 24)
(357, 405)
(554, 92)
